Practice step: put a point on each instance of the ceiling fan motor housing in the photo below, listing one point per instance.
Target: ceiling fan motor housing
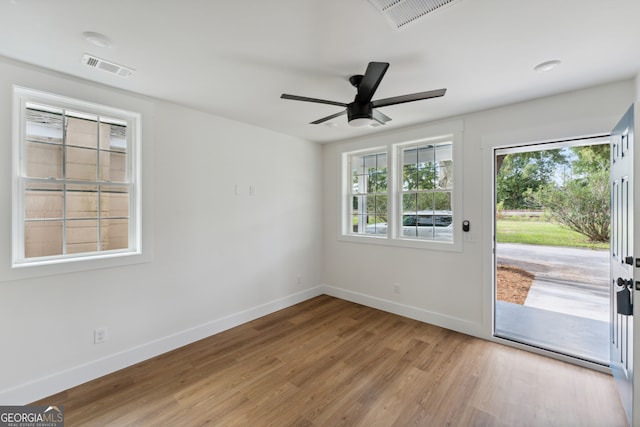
(359, 111)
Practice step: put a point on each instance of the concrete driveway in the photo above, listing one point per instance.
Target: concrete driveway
(567, 280)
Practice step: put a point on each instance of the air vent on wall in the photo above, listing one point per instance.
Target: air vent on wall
(108, 66)
(402, 12)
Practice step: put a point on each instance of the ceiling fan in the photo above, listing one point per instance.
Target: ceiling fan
(362, 111)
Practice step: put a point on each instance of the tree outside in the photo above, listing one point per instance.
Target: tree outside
(571, 185)
(522, 173)
(426, 182)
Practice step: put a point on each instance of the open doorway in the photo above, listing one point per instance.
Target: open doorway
(552, 239)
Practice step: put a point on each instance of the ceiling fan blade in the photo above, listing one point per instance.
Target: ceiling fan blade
(379, 117)
(326, 119)
(370, 81)
(408, 98)
(316, 100)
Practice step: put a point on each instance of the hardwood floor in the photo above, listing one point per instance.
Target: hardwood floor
(329, 362)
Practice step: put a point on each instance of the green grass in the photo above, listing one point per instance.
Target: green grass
(542, 233)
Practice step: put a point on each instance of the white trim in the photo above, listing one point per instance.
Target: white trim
(488, 144)
(36, 96)
(554, 145)
(63, 380)
(21, 97)
(503, 140)
(372, 239)
(488, 249)
(16, 138)
(491, 146)
(411, 312)
(90, 256)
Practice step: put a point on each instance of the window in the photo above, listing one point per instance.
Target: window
(368, 192)
(76, 182)
(427, 190)
(404, 193)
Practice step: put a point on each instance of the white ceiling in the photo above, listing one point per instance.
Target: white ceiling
(235, 58)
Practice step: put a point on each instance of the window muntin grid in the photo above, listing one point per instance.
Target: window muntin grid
(75, 186)
(426, 191)
(367, 195)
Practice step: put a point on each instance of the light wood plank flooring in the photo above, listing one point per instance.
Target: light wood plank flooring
(329, 362)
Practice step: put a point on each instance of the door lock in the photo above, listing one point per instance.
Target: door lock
(628, 260)
(626, 283)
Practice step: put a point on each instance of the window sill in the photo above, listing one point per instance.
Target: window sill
(454, 246)
(28, 270)
(72, 259)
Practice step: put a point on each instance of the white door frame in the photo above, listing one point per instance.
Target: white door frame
(489, 145)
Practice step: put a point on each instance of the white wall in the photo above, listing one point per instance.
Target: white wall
(454, 289)
(213, 258)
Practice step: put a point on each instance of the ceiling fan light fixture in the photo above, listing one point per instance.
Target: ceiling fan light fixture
(360, 115)
(361, 122)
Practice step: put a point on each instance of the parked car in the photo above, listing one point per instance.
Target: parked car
(437, 225)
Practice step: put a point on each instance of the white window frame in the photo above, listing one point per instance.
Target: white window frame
(348, 185)
(22, 97)
(393, 144)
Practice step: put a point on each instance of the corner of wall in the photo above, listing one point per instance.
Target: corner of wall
(408, 311)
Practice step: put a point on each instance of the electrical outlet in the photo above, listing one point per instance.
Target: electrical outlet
(99, 335)
(396, 288)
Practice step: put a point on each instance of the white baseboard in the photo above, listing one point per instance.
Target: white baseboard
(433, 318)
(60, 381)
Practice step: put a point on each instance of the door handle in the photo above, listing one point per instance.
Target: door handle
(624, 305)
(622, 282)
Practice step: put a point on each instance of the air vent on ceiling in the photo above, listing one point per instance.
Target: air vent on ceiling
(402, 12)
(108, 66)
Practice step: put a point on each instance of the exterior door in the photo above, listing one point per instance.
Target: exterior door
(622, 259)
